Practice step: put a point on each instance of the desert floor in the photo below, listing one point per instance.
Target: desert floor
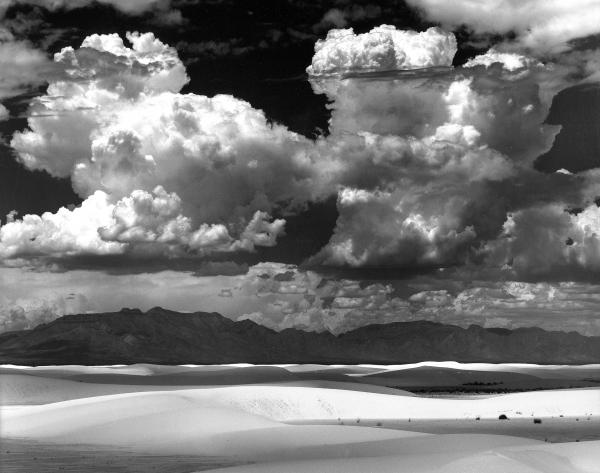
(301, 418)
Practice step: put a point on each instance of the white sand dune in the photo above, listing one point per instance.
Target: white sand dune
(293, 403)
(288, 403)
(16, 389)
(259, 422)
(186, 421)
(32, 389)
(247, 423)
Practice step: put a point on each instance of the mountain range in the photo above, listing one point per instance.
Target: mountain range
(162, 336)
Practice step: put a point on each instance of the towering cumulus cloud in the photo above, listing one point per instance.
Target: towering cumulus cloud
(432, 165)
(383, 48)
(156, 167)
(431, 160)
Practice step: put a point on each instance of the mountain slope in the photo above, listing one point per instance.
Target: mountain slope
(166, 337)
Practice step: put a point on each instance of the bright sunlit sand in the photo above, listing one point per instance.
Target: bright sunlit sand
(291, 424)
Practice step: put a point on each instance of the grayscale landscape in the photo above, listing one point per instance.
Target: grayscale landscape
(297, 236)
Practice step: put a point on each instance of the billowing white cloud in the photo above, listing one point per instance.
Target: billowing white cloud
(427, 162)
(99, 79)
(62, 233)
(415, 154)
(142, 222)
(384, 48)
(219, 154)
(540, 25)
(117, 126)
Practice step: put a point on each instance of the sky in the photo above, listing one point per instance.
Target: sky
(322, 165)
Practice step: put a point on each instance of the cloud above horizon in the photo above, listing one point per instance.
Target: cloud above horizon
(542, 26)
(384, 48)
(434, 163)
(129, 7)
(283, 296)
(117, 126)
(430, 165)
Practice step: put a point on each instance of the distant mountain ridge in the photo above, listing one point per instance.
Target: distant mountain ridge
(162, 336)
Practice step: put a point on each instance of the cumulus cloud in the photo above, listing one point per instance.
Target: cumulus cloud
(416, 154)
(102, 75)
(540, 25)
(283, 296)
(28, 312)
(117, 126)
(393, 229)
(142, 222)
(546, 240)
(61, 233)
(384, 48)
(429, 163)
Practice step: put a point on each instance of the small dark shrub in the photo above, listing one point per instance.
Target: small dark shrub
(502, 417)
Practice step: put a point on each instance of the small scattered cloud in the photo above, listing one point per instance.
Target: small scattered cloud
(163, 11)
(283, 296)
(340, 18)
